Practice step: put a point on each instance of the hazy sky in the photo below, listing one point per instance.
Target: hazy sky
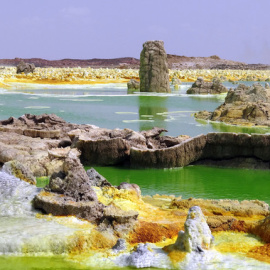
(56, 29)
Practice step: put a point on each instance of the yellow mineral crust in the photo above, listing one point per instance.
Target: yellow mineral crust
(83, 76)
(129, 200)
(225, 214)
(177, 256)
(86, 241)
(235, 242)
(158, 223)
(122, 198)
(260, 253)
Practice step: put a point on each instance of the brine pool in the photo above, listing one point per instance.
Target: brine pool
(111, 106)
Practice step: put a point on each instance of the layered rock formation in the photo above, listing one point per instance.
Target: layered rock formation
(243, 106)
(110, 147)
(35, 140)
(179, 155)
(41, 143)
(154, 74)
(202, 87)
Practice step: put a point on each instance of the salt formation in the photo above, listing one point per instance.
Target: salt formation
(120, 245)
(15, 196)
(197, 235)
(143, 256)
(154, 74)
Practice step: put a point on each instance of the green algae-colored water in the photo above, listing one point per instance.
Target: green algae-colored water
(46, 263)
(196, 181)
(38, 263)
(192, 181)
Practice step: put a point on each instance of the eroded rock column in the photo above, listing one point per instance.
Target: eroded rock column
(154, 73)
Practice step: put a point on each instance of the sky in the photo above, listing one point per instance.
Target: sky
(83, 29)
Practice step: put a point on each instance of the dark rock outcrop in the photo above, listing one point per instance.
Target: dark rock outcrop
(245, 105)
(38, 141)
(133, 85)
(42, 126)
(229, 145)
(25, 68)
(70, 192)
(154, 74)
(202, 87)
(75, 181)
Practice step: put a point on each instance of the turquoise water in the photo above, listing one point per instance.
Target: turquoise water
(111, 106)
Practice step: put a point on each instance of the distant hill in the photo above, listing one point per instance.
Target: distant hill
(174, 61)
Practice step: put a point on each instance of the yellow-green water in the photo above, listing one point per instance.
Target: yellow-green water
(37, 263)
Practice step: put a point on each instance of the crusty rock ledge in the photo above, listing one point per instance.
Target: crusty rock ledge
(31, 140)
(212, 147)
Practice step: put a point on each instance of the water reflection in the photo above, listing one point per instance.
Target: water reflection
(222, 127)
(152, 112)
